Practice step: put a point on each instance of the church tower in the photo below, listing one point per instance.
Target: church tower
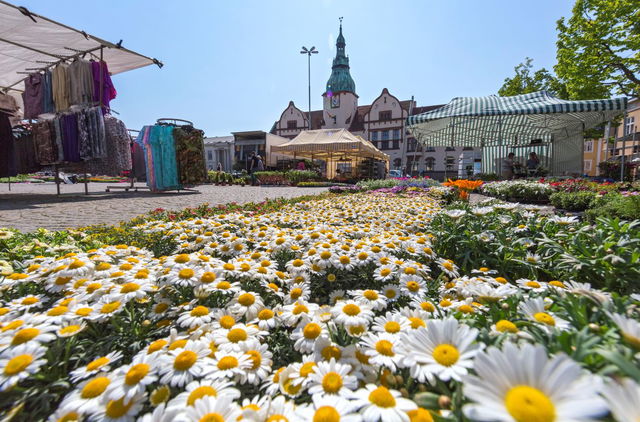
(340, 100)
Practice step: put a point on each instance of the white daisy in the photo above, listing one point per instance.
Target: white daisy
(213, 409)
(523, 384)
(18, 363)
(381, 404)
(443, 349)
(180, 366)
(623, 398)
(331, 378)
(535, 310)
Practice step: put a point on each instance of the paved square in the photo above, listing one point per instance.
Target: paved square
(31, 206)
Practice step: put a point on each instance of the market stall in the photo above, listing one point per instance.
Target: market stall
(536, 122)
(345, 154)
(56, 87)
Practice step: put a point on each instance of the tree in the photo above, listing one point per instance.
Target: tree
(598, 49)
(526, 81)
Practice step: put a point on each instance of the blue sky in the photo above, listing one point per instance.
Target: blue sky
(235, 65)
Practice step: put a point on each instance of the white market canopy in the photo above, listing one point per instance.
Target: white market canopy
(329, 143)
(516, 120)
(30, 42)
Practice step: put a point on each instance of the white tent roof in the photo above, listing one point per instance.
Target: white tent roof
(322, 143)
(29, 42)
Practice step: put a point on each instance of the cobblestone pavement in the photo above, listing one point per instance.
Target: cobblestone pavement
(30, 206)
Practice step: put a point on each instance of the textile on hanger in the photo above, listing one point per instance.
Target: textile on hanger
(192, 166)
(81, 82)
(33, 96)
(60, 84)
(7, 164)
(108, 89)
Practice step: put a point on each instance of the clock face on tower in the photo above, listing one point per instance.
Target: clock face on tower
(335, 102)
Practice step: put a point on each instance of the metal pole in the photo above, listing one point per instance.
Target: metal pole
(624, 146)
(309, 79)
(57, 178)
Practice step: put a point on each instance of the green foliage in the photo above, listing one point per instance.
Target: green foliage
(519, 190)
(616, 206)
(573, 201)
(611, 170)
(599, 49)
(297, 176)
(372, 184)
(271, 177)
(487, 177)
(525, 82)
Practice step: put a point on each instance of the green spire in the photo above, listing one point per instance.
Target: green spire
(340, 79)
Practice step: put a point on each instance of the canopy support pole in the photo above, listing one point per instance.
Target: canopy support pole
(624, 147)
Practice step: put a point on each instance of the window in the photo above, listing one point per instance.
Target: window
(292, 124)
(397, 163)
(412, 145)
(396, 144)
(587, 165)
(450, 161)
(396, 134)
(588, 146)
(449, 149)
(467, 149)
(629, 126)
(384, 115)
(209, 155)
(374, 135)
(430, 149)
(430, 163)
(385, 145)
(384, 135)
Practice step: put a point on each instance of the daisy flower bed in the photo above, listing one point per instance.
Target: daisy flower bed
(381, 306)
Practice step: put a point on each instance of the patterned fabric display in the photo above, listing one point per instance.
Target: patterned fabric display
(190, 155)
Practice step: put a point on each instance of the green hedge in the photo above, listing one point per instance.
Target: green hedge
(615, 206)
(573, 201)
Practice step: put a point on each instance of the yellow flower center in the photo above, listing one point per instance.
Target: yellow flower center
(557, 283)
(227, 321)
(356, 330)
(246, 299)
(24, 336)
(419, 415)
(227, 362)
(484, 269)
(61, 281)
(182, 258)
(236, 335)
(186, 273)
(208, 277)
(385, 347)
(95, 387)
(533, 284)
(129, 287)
(199, 311)
(326, 414)
(69, 417)
(69, 329)
(156, 345)
(385, 272)
(446, 354)
(344, 260)
(501, 280)
(392, 327)
(325, 255)
(57, 311)
(545, 318)
(311, 331)
(30, 300)
(351, 309)
(178, 344)
(265, 314)
(98, 363)
(17, 364)
(332, 382)
(331, 352)
(528, 404)
(229, 267)
(505, 326)
(382, 397)
(413, 286)
(117, 408)
(201, 392)
(370, 294)
(103, 266)
(447, 265)
(256, 359)
(465, 309)
(83, 311)
(223, 285)
(107, 308)
(185, 360)
(307, 368)
(136, 373)
(299, 308)
(427, 306)
(76, 264)
(212, 417)
(280, 418)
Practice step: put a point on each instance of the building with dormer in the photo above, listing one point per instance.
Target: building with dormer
(383, 122)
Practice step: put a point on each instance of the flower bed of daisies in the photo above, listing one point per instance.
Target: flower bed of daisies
(368, 306)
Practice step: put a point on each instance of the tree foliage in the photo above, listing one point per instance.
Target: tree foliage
(598, 49)
(526, 81)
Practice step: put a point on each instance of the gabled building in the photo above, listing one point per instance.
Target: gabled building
(383, 122)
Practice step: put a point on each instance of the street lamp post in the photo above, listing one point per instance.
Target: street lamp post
(309, 52)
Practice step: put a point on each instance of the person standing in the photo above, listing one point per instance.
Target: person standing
(532, 163)
(507, 166)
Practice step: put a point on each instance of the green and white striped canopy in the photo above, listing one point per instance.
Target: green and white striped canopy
(516, 120)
